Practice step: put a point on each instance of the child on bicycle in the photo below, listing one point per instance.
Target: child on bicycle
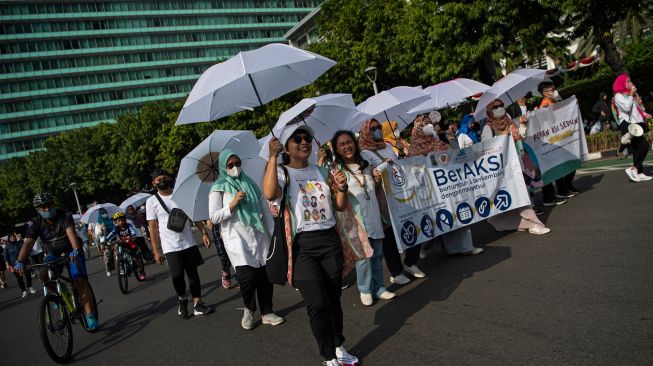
(127, 234)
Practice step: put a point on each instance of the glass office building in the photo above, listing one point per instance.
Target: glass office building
(71, 64)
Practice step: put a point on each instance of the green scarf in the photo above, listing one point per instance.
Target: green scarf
(249, 208)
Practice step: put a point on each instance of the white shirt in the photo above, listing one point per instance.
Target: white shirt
(170, 241)
(310, 198)
(627, 109)
(369, 207)
(464, 141)
(245, 245)
(487, 133)
(374, 159)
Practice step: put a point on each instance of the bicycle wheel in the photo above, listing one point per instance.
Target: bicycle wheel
(55, 329)
(123, 275)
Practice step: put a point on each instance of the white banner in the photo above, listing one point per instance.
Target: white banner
(556, 136)
(431, 195)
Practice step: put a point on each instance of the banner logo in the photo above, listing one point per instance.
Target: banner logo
(465, 213)
(502, 200)
(409, 233)
(482, 206)
(427, 227)
(444, 220)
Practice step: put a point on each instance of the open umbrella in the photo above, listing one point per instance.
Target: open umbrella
(449, 93)
(394, 104)
(135, 200)
(91, 215)
(509, 88)
(199, 169)
(325, 114)
(251, 79)
(76, 218)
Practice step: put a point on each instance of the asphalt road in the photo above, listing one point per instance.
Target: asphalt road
(582, 295)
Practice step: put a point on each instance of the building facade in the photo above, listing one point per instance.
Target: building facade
(71, 64)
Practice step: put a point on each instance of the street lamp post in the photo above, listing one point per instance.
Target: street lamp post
(73, 186)
(371, 73)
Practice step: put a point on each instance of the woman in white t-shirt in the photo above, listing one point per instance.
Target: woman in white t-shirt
(235, 203)
(361, 180)
(315, 254)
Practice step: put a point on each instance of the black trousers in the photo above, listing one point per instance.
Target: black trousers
(254, 284)
(392, 255)
(317, 274)
(185, 261)
(27, 278)
(623, 128)
(638, 145)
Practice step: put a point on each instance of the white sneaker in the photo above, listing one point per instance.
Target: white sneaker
(642, 177)
(415, 271)
(333, 362)
(108, 274)
(248, 319)
(474, 251)
(24, 294)
(632, 174)
(387, 295)
(272, 319)
(400, 279)
(367, 299)
(539, 230)
(31, 290)
(344, 358)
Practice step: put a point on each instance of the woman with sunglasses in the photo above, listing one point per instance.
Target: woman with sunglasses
(375, 150)
(315, 254)
(235, 203)
(524, 218)
(366, 219)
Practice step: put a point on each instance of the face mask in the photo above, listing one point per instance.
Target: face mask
(48, 214)
(428, 130)
(234, 172)
(164, 184)
(397, 133)
(376, 135)
(499, 112)
(104, 216)
(556, 95)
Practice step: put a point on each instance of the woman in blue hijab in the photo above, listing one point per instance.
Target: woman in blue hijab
(466, 134)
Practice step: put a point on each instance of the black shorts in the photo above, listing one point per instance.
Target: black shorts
(187, 258)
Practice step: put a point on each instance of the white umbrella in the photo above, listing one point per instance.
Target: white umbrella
(325, 114)
(91, 215)
(450, 93)
(394, 104)
(135, 200)
(199, 169)
(509, 88)
(251, 79)
(76, 218)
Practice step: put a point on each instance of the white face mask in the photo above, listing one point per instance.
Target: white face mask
(397, 133)
(556, 95)
(428, 130)
(499, 112)
(234, 172)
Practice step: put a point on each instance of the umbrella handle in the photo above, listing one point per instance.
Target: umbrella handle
(261, 104)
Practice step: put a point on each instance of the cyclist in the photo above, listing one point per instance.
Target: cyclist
(56, 229)
(127, 235)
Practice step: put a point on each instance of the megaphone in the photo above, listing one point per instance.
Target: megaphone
(635, 129)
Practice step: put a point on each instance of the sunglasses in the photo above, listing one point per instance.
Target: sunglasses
(298, 138)
(374, 128)
(237, 163)
(497, 106)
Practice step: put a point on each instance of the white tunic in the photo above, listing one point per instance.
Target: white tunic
(245, 245)
(627, 109)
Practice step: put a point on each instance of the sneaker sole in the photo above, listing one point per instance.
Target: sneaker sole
(273, 323)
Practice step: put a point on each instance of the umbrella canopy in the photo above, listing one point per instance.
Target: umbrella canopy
(135, 200)
(251, 79)
(450, 93)
(394, 104)
(324, 114)
(91, 215)
(509, 88)
(199, 169)
(76, 218)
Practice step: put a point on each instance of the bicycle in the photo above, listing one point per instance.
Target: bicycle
(125, 265)
(59, 309)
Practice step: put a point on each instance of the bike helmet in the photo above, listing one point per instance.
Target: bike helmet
(42, 199)
(119, 215)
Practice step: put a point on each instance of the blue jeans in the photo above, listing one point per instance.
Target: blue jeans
(222, 253)
(369, 272)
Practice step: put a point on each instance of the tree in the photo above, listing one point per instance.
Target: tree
(596, 19)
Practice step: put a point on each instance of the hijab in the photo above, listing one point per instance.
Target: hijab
(422, 143)
(466, 129)
(389, 128)
(249, 209)
(619, 85)
(501, 126)
(365, 141)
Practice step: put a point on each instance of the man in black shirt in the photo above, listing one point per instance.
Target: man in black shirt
(56, 229)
